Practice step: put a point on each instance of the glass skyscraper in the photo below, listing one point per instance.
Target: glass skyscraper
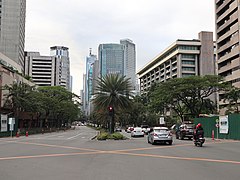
(118, 59)
(88, 82)
(111, 57)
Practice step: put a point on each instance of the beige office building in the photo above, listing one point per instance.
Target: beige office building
(12, 30)
(227, 43)
(182, 58)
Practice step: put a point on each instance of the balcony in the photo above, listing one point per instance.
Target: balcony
(222, 5)
(233, 17)
(234, 52)
(232, 31)
(231, 8)
(225, 68)
(233, 41)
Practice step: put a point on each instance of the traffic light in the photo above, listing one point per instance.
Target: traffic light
(110, 110)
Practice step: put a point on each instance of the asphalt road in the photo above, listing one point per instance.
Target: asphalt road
(73, 155)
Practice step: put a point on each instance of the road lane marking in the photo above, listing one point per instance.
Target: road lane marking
(150, 148)
(74, 136)
(55, 146)
(49, 155)
(119, 152)
(176, 157)
(167, 146)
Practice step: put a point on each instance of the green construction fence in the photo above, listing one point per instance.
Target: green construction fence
(210, 124)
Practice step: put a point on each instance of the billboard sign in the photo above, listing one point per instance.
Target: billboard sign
(3, 123)
(223, 124)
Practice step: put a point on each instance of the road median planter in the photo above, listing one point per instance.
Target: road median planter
(115, 136)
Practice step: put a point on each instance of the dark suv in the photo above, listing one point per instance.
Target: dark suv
(185, 130)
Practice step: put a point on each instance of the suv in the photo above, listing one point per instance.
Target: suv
(185, 130)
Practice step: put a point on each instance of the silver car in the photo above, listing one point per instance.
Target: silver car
(160, 134)
(137, 131)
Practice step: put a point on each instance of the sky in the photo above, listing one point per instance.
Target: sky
(152, 25)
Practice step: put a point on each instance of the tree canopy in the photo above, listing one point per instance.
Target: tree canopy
(187, 95)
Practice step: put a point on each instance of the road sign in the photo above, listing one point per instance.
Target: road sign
(161, 120)
(11, 120)
(11, 127)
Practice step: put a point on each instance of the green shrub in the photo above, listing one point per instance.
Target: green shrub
(117, 136)
(105, 136)
(102, 136)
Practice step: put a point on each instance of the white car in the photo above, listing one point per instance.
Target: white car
(137, 131)
(160, 134)
(129, 129)
(145, 128)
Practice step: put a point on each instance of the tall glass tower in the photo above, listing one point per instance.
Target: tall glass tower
(118, 59)
(88, 81)
(111, 59)
(129, 60)
(12, 29)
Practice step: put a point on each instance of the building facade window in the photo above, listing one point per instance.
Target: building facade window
(188, 68)
(184, 47)
(188, 62)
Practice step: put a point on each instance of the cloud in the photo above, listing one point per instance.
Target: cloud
(82, 24)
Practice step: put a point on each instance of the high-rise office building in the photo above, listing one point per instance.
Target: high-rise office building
(181, 59)
(62, 55)
(129, 60)
(227, 43)
(50, 70)
(111, 58)
(118, 59)
(88, 82)
(42, 69)
(12, 29)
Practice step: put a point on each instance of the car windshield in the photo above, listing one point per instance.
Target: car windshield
(162, 131)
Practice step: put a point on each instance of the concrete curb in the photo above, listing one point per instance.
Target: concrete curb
(94, 137)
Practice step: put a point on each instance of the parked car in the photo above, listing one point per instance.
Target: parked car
(129, 129)
(118, 129)
(145, 128)
(160, 135)
(137, 131)
(185, 130)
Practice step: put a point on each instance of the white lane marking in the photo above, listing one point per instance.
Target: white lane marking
(74, 136)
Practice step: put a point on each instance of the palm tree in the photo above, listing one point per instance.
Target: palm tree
(113, 91)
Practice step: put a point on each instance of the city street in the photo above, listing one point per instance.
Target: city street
(73, 155)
